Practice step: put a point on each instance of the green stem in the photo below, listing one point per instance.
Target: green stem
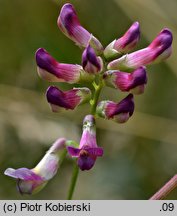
(73, 181)
(96, 96)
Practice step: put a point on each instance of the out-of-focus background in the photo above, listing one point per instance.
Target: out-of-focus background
(141, 155)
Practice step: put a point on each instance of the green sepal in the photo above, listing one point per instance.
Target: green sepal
(72, 143)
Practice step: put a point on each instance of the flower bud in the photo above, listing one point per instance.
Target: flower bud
(88, 150)
(90, 62)
(69, 24)
(30, 181)
(130, 82)
(124, 44)
(119, 112)
(59, 100)
(160, 49)
(51, 70)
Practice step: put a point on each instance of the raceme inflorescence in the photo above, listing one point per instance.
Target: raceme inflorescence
(113, 66)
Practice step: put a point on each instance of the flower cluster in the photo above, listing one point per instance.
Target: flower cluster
(113, 66)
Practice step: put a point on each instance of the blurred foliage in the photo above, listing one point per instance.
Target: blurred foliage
(141, 155)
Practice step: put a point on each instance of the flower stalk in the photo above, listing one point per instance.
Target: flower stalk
(73, 181)
(94, 101)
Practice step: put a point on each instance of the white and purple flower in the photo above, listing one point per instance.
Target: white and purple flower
(129, 82)
(69, 24)
(119, 112)
(30, 181)
(160, 49)
(90, 62)
(88, 150)
(70, 99)
(124, 44)
(51, 70)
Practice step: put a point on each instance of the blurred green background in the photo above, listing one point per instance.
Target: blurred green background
(141, 155)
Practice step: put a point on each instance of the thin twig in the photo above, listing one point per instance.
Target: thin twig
(166, 189)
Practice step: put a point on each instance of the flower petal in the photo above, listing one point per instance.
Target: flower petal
(49, 164)
(162, 45)
(86, 162)
(132, 61)
(95, 151)
(74, 152)
(129, 40)
(58, 145)
(23, 174)
(88, 138)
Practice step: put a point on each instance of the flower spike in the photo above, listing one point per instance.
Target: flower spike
(31, 181)
(66, 100)
(133, 82)
(160, 49)
(119, 112)
(124, 44)
(90, 62)
(69, 24)
(88, 150)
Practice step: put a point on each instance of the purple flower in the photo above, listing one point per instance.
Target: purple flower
(90, 62)
(119, 112)
(30, 181)
(66, 100)
(133, 82)
(124, 44)
(88, 150)
(160, 49)
(69, 24)
(51, 70)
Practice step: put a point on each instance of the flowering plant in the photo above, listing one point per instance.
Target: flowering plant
(113, 66)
